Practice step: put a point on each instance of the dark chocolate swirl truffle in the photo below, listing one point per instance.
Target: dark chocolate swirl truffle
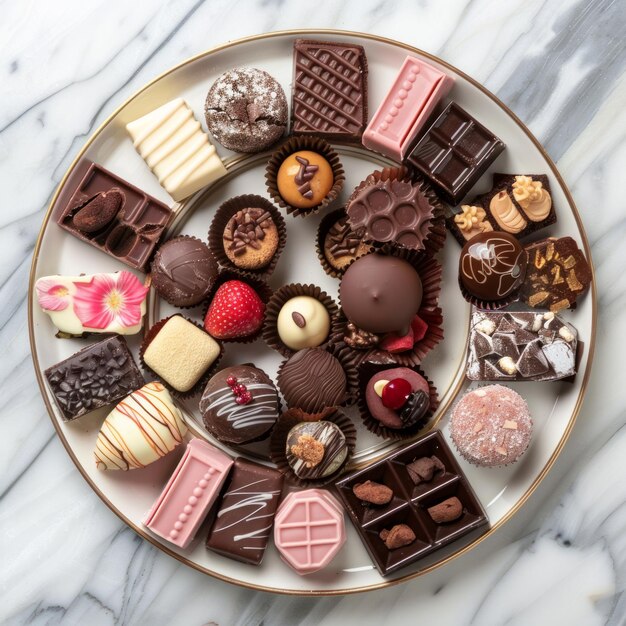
(183, 271)
(239, 404)
(311, 380)
(492, 266)
(315, 449)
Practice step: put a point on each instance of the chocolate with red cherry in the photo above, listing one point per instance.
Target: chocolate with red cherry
(398, 398)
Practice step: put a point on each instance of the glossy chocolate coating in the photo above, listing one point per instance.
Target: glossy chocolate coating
(231, 422)
(245, 516)
(492, 266)
(97, 375)
(134, 221)
(455, 152)
(329, 90)
(183, 271)
(381, 294)
(312, 380)
(410, 503)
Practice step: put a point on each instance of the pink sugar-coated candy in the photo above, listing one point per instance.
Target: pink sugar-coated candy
(189, 494)
(417, 89)
(491, 426)
(309, 530)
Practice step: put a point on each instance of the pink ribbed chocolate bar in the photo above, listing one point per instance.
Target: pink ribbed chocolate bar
(189, 494)
(417, 89)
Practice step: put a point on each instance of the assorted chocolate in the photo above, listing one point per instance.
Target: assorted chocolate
(411, 503)
(329, 90)
(454, 153)
(520, 345)
(517, 204)
(114, 216)
(99, 374)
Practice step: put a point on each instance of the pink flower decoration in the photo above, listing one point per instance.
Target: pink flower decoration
(50, 295)
(107, 299)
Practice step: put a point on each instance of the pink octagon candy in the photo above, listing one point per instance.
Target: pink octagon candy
(309, 530)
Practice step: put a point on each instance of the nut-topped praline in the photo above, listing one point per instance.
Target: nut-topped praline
(492, 266)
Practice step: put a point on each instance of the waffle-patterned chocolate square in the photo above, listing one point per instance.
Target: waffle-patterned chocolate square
(431, 503)
(455, 152)
(329, 90)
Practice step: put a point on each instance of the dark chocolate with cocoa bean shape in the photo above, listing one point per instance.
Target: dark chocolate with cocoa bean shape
(112, 215)
(492, 266)
(244, 519)
(329, 90)
(455, 152)
(431, 505)
(93, 377)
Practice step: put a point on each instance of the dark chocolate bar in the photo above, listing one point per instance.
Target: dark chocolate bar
(517, 204)
(246, 512)
(557, 274)
(114, 216)
(97, 375)
(417, 487)
(454, 153)
(329, 90)
(520, 346)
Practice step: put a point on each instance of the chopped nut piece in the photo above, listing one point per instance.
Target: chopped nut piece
(423, 469)
(556, 272)
(510, 425)
(569, 262)
(373, 493)
(501, 450)
(561, 304)
(379, 385)
(309, 449)
(572, 281)
(566, 333)
(446, 511)
(537, 298)
(507, 364)
(540, 260)
(400, 535)
(486, 326)
(549, 251)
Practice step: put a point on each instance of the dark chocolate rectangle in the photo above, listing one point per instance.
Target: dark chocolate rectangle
(410, 503)
(97, 375)
(329, 90)
(136, 229)
(244, 520)
(455, 152)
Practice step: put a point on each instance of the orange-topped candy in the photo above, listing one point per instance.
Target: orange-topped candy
(304, 179)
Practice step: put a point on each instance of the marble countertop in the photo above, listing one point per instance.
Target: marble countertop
(65, 65)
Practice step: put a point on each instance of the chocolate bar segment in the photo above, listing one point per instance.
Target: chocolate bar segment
(244, 520)
(558, 274)
(114, 216)
(517, 204)
(97, 375)
(329, 90)
(455, 152)
(415, 92)
(189, 494)
(424, 475)
(520, 346)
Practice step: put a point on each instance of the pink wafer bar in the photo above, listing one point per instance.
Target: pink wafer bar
(309, 530)
(189, 494)
(410, 101)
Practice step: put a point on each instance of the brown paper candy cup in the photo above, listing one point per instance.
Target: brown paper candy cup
(291, 418)
(430, 272)
(276, 303)
(489, 305)
(325, 225)
(294, 144)
(221, 218)
(367, 369)
(263, 290)
(436, 234)
(152, 332)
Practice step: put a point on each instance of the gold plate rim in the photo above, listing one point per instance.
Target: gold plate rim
(591, 349)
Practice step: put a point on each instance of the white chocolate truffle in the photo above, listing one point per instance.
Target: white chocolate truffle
(141, 429)
(303, 322)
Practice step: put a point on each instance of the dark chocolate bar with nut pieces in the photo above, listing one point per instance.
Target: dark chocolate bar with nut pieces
(329, 90)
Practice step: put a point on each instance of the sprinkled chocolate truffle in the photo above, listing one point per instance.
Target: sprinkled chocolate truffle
(491, 426)
(250, 239)
(315, 449)
(304, 179)
(246, 110)
(342, 245)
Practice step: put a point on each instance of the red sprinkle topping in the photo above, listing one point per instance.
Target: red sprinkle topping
(242, 395)
(231, 381)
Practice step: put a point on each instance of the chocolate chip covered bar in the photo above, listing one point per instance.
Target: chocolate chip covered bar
(520, 346)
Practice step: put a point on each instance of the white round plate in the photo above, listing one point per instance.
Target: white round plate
(130, 494)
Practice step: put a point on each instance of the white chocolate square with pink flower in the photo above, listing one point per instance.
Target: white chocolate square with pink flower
(94, 303)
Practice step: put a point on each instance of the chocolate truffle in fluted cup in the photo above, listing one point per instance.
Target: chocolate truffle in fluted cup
(240, 404)
(381, 293)
(491, 426)
(183, 271)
